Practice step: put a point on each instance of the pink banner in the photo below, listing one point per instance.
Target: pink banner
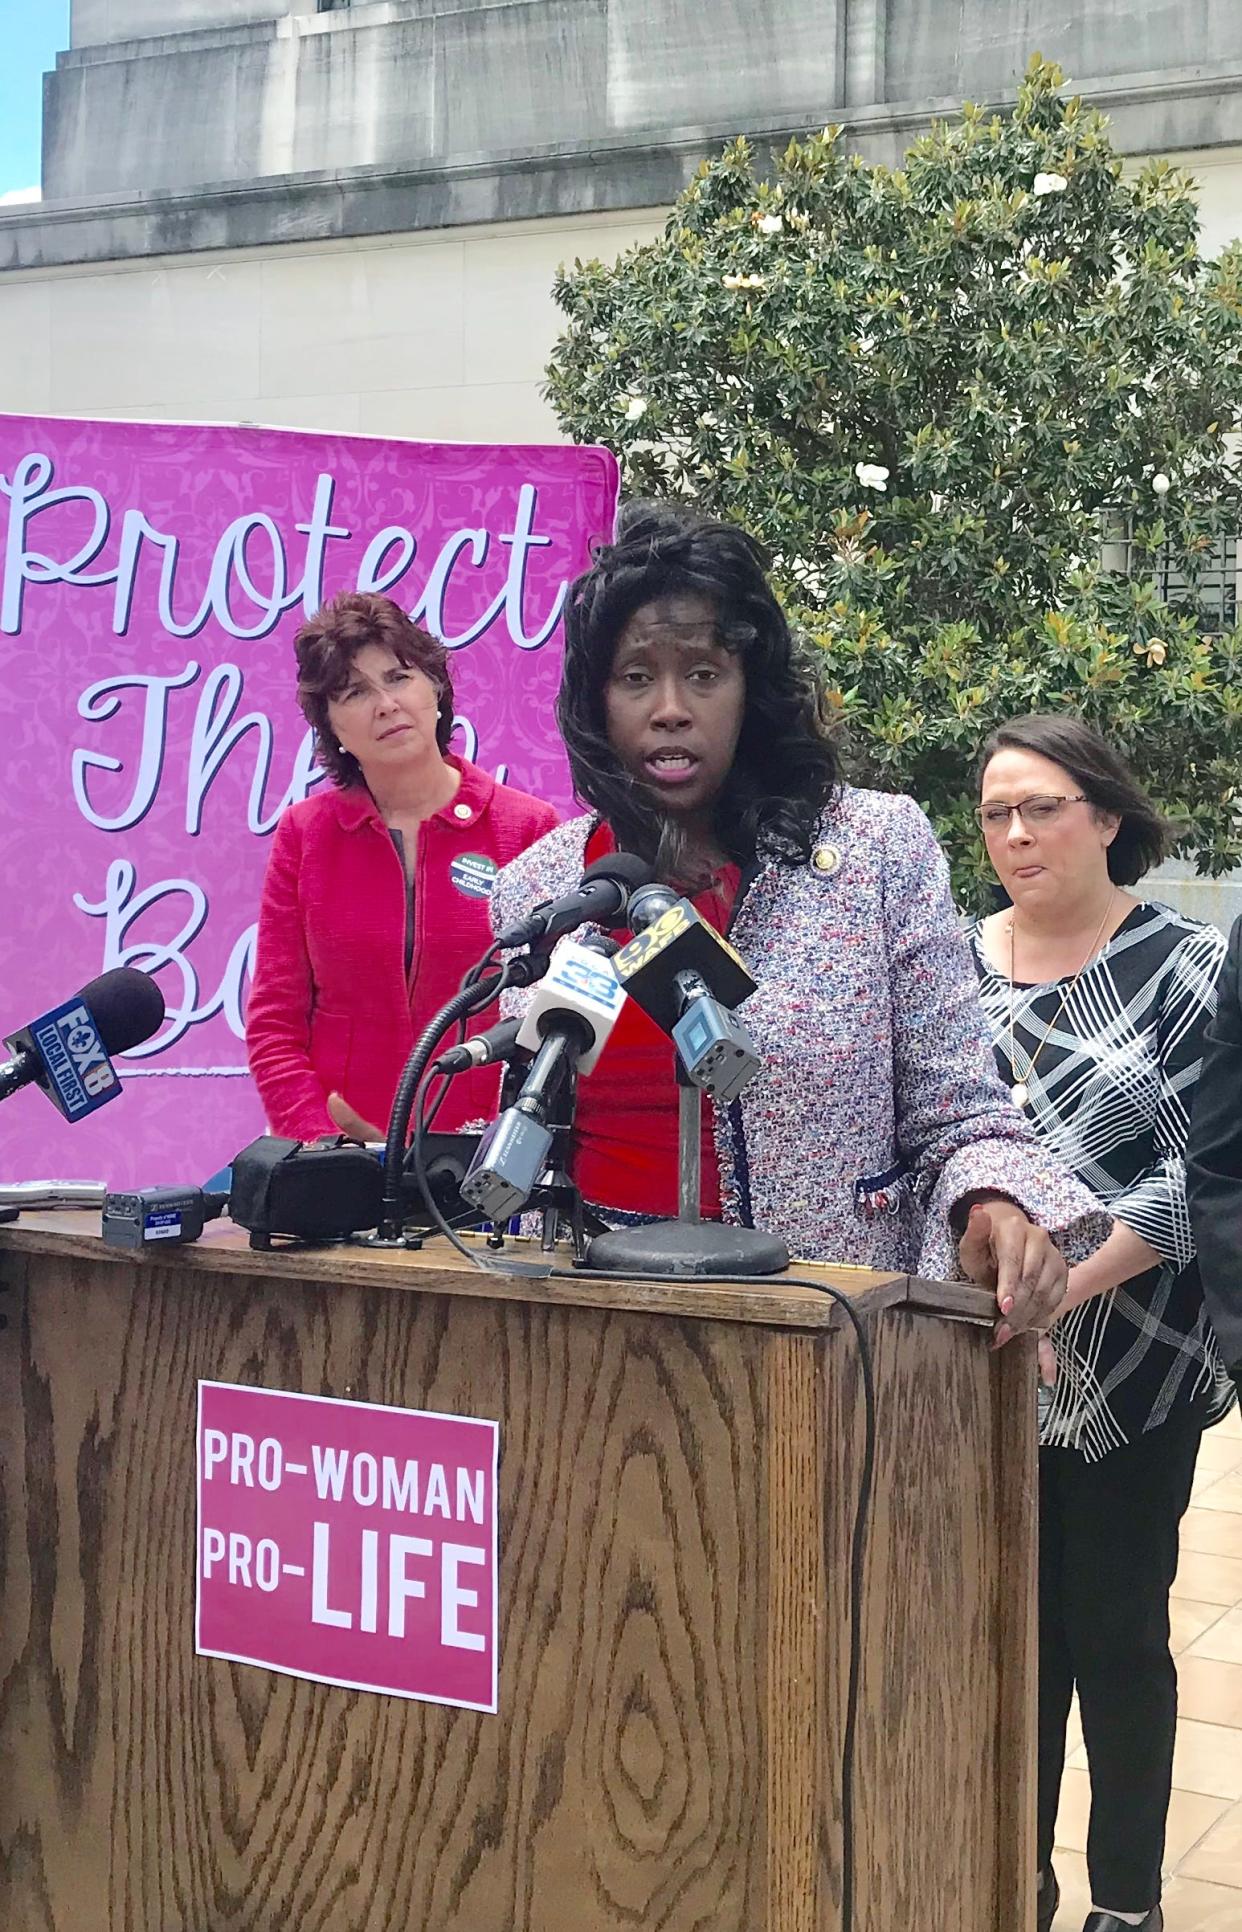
(348, 1543)
(152, 577)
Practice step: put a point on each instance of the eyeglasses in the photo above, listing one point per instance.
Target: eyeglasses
(1041, 810)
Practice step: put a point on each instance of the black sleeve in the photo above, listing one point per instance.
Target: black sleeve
(1214, 1162)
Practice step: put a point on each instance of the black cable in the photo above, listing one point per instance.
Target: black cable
(426, 1125)
(489, 963)
(858, 1554)
(419, 1151)
(862, 1507)
(469, 999)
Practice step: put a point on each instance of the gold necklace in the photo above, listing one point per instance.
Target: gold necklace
(1020, 1090)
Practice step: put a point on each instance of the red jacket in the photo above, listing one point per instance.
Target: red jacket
(331, 1007)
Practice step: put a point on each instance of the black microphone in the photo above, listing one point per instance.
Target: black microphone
(66, 1052)
(600, 899)
(483, 1050)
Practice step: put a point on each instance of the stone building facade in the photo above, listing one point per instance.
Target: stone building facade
(347, 213)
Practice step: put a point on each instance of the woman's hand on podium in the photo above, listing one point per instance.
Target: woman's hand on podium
(349, 1122)
(1003, 1250)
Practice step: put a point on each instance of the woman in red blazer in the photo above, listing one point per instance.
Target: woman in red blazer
(375, 901)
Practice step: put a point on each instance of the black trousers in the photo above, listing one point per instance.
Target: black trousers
(1107, 1560)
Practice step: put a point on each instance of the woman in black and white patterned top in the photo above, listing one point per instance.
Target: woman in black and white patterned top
(1097, 1005)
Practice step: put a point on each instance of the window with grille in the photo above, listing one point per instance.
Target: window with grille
(1213, 591)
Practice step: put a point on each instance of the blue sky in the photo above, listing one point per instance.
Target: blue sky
(32, 33)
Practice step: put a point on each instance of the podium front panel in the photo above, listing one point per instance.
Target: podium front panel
(676, 1504)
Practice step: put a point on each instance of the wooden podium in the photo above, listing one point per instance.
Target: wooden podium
(678, 1478)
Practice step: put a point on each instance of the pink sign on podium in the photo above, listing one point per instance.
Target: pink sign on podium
(348, 1542)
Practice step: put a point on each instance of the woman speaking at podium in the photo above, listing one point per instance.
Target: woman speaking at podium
(376, 894)
(879, 1132)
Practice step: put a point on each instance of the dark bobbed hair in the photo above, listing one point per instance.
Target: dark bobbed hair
(1144, 836)
(326, 647)
(785, 768)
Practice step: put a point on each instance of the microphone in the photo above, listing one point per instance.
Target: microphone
(688, 979)
(571, 1013)
(599, 899)
(66, 1052)
(483, 1050)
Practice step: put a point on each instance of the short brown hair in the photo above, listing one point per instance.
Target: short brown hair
(326, 647)
(1144, 836)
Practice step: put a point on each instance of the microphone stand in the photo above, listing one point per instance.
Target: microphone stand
(521, 970)
(689, 1149)
(558, 1198)
(558, 1195)
(689, 1245)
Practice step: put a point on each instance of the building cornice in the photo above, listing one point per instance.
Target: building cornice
(1191, 109)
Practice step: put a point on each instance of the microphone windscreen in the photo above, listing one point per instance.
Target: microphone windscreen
(626, 868)
(127, 1007)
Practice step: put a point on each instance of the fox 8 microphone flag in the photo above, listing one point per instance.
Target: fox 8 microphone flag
(81, 1078)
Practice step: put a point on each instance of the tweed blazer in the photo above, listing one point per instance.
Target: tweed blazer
(879, 1106)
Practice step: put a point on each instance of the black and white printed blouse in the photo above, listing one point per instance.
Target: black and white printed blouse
(1111, 1093)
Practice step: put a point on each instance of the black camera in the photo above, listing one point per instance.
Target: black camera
(330, 1189)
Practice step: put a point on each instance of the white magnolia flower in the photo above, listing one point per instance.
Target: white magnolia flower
(743, 281)
(872, 476)
(768, 224)
(632, 407)
(1049, 184)
(1160, 483)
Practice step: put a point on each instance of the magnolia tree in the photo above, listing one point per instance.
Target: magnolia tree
(984, 412)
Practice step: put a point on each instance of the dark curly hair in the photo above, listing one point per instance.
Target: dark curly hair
(326, 647)
(785, 769)
(1144, 837)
